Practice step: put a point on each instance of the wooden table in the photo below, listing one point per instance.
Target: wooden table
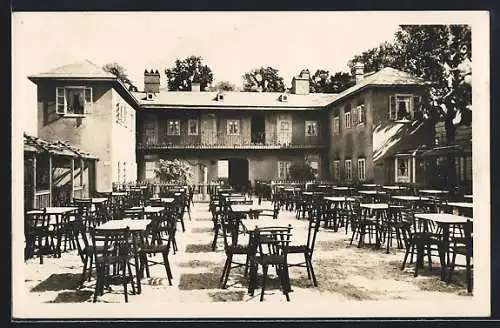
(462, 207)
(119, 193)
(370, 185)
(433, 191)
(149, 209)
(468, 196)
(394, 187)
(99, 200)
(137, 228)
(372, 192)
(339, 199)
(241, 208)
(445, 221)
(166, 200)
(57, 217)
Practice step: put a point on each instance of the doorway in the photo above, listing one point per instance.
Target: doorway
(238, 173)
(258, 130)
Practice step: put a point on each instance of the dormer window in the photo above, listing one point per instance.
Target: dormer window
(220, 97)
(73, 101)
(284, 97)
(149, 96)
(402, 107)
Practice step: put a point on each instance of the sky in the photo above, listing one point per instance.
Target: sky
(231, 43)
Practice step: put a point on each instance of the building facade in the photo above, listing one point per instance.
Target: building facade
(91, 109)
(373, 131)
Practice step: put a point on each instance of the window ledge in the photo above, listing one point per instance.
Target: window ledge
(72, 115)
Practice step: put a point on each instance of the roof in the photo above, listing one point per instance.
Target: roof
(389, 137)
(82, 69)
(235, 99)
(443, 151)
(387, 76)
(59, 148)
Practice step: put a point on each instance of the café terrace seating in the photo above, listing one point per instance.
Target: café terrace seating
(377, 219)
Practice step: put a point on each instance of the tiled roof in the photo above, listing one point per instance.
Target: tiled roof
(37, 145)
(387, 76)
(81, 69)
(235, 99)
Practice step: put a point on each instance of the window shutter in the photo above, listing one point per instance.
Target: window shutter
(88, 100)
(60, 100)
(392, 107)
(416, 106)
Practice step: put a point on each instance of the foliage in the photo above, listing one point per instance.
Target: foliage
(120, 72)
(264, 79)
(186, 71)
(440, 54)
(323, 82)
(301, 170)
(172, 171)
(224, 86)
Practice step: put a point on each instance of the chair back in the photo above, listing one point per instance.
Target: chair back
(312, 232)
(273, 241)
(231, 228)
(111, 243)
(134, 214)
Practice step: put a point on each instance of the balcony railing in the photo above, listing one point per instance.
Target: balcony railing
(224, 141)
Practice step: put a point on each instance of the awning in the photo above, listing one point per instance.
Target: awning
(59, 148)
(443, 151)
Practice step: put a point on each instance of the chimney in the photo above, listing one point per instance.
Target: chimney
(195, 86)
(300, 83)
(359, 71)
(152, 82)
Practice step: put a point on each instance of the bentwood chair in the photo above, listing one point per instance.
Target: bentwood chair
(232, 229)
(269, 247)
(113, 260)
(307, 249)
(161, 225)
(464, 247)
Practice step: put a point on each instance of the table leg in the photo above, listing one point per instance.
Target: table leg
(446, 243)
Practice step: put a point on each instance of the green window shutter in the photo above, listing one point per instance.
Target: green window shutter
(88, 101)
(60, 101)
(392, 108)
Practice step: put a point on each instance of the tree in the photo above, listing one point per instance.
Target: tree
(323, 82)
(265, 79)
(172, 171)
(302, 171)
(120, 72)
(440, 54)
(186, 71)
(224, 86)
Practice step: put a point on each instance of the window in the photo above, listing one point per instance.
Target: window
(192, 127)
(314, 167)
(118, 173)
(348, 169)
(311, 128)
(124, 171)
(361, 169)
(173, 128)
(402, 169)
(402, 107)
(361, 114)
(73, 100)
(122, 115)
(132, 123)
(233, 127)
(283, 170)
(149, 170)
(336, 170)
(336, 124)
(348, 119)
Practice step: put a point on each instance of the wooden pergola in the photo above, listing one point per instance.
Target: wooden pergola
(41, 152)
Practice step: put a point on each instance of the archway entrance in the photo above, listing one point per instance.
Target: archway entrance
(238, 173)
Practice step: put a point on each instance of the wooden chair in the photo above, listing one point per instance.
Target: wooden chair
(269, 246)
(160, 226)
(232, 228)
(464, 247)
(308, 248)
(113, 260)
